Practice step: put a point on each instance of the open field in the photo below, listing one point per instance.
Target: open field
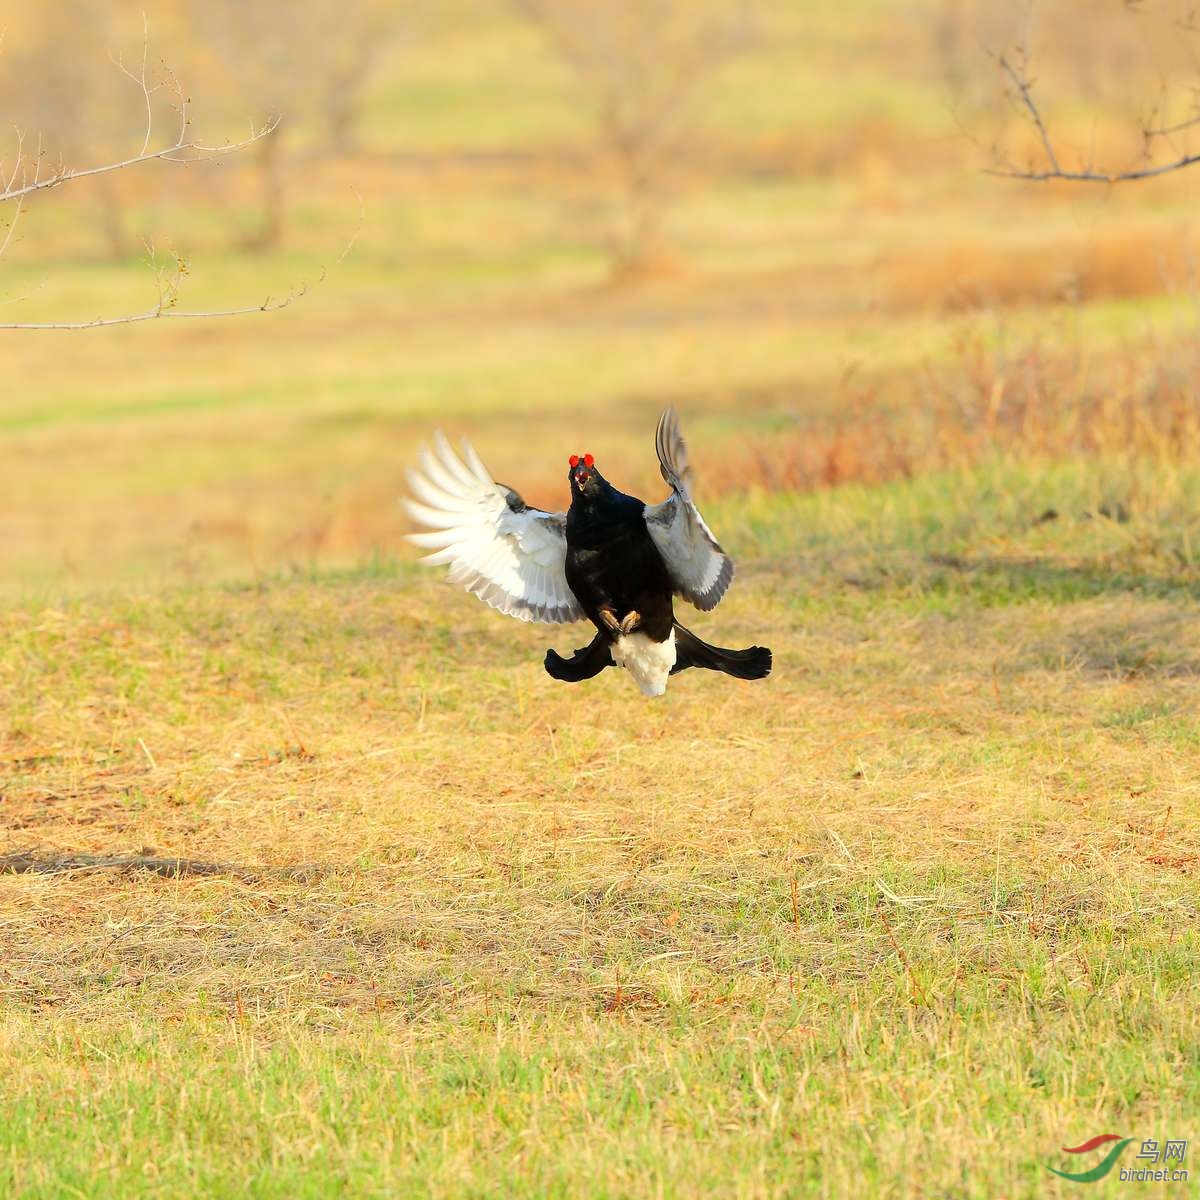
(831, 267)
(903, 920)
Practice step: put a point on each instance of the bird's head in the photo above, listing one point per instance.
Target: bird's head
(585, 479)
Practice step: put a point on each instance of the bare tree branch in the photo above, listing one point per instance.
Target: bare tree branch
(1015, 66)
(1024, 87)
(170, 281)
(24, 178)
(161, 312)
(1168, 130)
(140, 80)
(172, 153)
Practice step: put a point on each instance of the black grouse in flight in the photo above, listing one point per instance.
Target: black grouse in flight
(611, 558)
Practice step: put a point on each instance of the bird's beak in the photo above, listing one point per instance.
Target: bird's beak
(582, 475)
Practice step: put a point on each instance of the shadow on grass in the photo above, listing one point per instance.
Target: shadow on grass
(32, 863)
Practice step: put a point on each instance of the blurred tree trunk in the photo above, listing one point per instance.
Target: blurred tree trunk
(310, 63)
(644, 65)
(342, 94)
(341, 109)
(269, 168)
(112, 217)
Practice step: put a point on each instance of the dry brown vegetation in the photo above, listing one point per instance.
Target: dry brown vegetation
(1118, 262)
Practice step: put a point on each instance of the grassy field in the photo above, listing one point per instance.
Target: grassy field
(903, 920)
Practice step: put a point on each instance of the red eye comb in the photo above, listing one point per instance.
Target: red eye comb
(588, 461)
(574, 460)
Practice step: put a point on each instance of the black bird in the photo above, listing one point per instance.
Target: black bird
(611, 558)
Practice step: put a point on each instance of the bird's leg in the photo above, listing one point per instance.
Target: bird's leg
(630, 621)
(610, 619)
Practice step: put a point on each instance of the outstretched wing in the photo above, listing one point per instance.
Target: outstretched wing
(700, 569)
(510, 555)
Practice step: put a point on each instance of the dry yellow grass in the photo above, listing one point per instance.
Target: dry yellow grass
(934, 880)
(903, 920)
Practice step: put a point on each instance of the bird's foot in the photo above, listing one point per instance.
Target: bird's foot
(610, 619)
(630, 621)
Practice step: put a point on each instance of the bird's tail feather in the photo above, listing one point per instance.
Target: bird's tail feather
(752, 663)
(583, 664)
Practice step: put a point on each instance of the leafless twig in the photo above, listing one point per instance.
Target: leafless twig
(1015, 66)
(25, 177)
(175, 153)
(169, 278)
(163, 312)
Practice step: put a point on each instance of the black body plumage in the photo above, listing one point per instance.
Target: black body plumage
(613, 563)
(611, 560)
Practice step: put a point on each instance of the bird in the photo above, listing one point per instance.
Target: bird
(611, 559)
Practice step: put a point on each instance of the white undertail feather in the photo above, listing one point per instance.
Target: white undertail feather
(647, 661)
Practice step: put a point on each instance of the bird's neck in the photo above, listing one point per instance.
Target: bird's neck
(605, 506)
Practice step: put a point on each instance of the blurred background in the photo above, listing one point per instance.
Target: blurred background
(541, 221)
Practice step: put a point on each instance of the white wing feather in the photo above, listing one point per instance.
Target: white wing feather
(700, 569)
(509, 555)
